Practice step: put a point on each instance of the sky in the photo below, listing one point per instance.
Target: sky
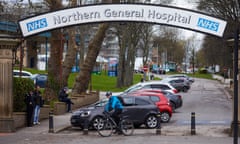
(189, 4)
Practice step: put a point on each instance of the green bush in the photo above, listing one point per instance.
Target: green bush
(21, 86)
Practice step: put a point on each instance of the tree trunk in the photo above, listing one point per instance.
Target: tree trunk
(83, 78)
(54, 66)
(71, 52)
(55, 61)
(129, 38)
(70, 56)
(121, 61)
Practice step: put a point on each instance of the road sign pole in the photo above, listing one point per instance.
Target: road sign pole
(235, 105)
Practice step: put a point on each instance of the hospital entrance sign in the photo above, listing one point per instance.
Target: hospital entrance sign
(156, 14)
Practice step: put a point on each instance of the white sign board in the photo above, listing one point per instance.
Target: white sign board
(155, 14)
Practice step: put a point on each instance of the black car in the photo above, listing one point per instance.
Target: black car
(138, 109)
(175, 99)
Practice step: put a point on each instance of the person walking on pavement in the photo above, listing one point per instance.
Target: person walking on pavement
(38, 105)
(63, 97)
(29, 108)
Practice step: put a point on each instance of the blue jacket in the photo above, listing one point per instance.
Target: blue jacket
(113, 103)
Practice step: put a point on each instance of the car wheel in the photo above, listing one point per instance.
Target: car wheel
(184, 89)
(96, 121)
(165, 117)
(151, 121)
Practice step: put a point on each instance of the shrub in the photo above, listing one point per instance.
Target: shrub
(21, 86)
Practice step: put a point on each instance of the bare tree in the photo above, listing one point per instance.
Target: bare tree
(226, 9)
(83, 79)
(71, 51)
(129, 36)
(170, 47)
(55, 61)
(146, 41)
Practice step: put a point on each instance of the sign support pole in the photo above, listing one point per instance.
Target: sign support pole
(235, 105)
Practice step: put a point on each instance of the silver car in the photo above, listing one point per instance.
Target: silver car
(180, 84)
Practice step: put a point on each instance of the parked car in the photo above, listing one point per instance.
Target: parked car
(155, 84)
(188, 78)
(175, 100)
(40, 79)
(158, 71)
(23, 74)
(161, 101)
(138, 109)
(180, 84)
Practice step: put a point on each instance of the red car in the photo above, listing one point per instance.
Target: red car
(161, 102)
(174, 99)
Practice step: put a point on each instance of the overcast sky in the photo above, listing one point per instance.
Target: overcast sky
(189, 4)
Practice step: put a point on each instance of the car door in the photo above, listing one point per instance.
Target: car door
(137, 109)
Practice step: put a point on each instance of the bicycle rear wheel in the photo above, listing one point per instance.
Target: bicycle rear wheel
(105, 128)
(127, 127)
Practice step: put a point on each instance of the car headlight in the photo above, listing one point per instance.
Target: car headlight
(76, 113)
(85, 113)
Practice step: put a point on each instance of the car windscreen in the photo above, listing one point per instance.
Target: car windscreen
(133, 88)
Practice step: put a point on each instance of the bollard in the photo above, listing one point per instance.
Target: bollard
(193, 124)
(158, 129)
(50, 122)
(85, 129)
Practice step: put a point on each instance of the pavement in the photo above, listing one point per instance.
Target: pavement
(41, 134)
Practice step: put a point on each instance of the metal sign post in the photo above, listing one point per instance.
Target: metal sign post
(235, 105)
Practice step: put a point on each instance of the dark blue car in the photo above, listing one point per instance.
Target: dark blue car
(40, 80)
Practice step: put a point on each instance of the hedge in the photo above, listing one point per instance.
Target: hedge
(21, 86)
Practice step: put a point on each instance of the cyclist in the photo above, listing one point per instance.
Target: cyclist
(115, 106)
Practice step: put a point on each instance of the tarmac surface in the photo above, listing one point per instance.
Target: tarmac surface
(40, 134)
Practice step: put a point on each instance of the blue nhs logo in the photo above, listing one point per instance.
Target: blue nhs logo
(208, 24)
(37, 24)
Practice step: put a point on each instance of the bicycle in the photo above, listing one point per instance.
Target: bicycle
(108, 126)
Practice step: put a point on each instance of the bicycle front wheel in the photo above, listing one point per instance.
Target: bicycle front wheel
(105, 128)
(127, 127)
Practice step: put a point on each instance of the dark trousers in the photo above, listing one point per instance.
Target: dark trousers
(68, 102)
(30, 115)
(116, 115)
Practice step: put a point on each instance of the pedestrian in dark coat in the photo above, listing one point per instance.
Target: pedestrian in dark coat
(29, 108)
(63, 97)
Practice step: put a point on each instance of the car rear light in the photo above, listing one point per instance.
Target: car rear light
(175, 91)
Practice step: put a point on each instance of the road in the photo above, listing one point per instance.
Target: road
(206, 98)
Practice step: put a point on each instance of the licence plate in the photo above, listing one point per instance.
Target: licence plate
(73, 120)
